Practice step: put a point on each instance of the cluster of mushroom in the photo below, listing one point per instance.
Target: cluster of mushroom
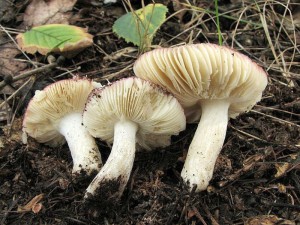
(205, 80)
(127, 112)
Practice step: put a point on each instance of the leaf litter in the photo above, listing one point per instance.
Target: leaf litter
(40, 12)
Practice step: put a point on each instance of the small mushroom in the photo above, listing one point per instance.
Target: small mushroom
(54, 116)
(127, 112)
(210, 81)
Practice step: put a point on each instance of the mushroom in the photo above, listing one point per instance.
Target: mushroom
(54, 116)
(210, 81)
(127, 112)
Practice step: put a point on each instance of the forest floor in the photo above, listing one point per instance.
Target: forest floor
(256, 178)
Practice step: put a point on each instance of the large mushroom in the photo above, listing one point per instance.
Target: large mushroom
(54, 116)
(127, 112)
(211, 82)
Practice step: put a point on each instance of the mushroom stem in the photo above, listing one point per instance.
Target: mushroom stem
(206, 144)
(84, 151)
(111, 181)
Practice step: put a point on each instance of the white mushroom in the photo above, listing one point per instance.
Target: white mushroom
(54, 116)
(127, 112)
(210, 81)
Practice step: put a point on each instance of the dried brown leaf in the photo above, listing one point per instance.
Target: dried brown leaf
(40, 12)
(33, 205)
(281, 168)
(37, 207)
(9, 66)
(267, 220)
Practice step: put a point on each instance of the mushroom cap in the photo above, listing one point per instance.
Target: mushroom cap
(157, 113)
(50, 105)
(196, 72)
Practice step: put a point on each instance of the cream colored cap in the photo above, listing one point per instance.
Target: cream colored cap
(157, 113)
(204, 71)
(48, 106)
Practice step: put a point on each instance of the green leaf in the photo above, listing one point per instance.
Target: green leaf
(59, 38)
(140, 26)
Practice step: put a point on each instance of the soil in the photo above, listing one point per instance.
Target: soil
(256, 178)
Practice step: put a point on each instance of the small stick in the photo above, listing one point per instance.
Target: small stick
(213, 220)
(8, 80)
(198, 215)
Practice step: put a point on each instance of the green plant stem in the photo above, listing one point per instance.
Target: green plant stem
(218, 23)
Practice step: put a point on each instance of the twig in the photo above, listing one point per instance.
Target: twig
(275, 118)
(213, 220)
(198, 215)
(249, 135)
(275, 108)
(29, 73)
(248, 165)
(68, 72)
(112, 75)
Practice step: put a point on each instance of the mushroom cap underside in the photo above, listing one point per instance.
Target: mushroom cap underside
(198, 72)
(50, 105)
(157, 113)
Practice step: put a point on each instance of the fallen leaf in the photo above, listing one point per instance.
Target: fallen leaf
(59, 38)
(9, 66)
(33, 205)
(37, 207)
(281, 168)
(40, 12)
(267, 220)
(140, 26)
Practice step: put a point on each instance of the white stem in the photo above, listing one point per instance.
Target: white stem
(206, 145)
(85, 154)
(111, 181)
